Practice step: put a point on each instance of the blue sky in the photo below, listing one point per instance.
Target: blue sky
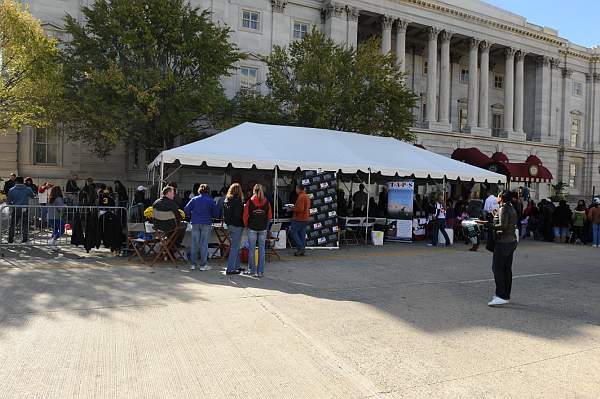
(576, 20)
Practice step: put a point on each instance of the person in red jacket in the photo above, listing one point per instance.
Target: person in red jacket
(257, 213)
(301, 214)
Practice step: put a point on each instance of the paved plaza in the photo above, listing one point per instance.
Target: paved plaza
(399, 321)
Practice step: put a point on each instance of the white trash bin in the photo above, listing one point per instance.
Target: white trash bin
(281, 244)
(441, 238)
(377, 237)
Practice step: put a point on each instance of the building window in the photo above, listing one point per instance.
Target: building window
(497, 124)
(425, 67)
(462, 117)
(464, 75)
(572, 175)
(251, 19)
(575, 126)
(577, 89)
(46, 147)
(300, 30)
(498, 81)
(248, 77)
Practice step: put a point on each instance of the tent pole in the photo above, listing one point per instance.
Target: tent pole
(275, 206)
(162, 174)
(368, 201)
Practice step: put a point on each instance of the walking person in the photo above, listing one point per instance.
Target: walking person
(200, 211)
(55, 215)
(301, 214)
(19, 196)
(257, 213)
(439, 223)
(233, 216)
(594, 218)
(504, 226)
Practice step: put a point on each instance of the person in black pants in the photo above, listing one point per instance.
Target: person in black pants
(504, 226)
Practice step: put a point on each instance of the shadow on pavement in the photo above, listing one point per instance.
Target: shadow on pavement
(555, 290)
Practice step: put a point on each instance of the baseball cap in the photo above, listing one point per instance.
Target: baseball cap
(141, 188)
(596, 200)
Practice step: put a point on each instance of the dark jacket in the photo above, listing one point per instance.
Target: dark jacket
(71, 186)
(166, 204)
(111, 231)
(561, 216)
(505, 224)
(233, 211)
(8, 185)
(19, 195)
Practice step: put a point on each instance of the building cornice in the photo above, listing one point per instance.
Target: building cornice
(465, 15)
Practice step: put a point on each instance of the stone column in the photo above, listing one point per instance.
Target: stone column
(335, 26)
(401, 44)
(509, 76)
(543, 96)
(280, 24)
(445, 80)
(596, 114)
(473, 97)
(519, 82)
(555, 104)
(352, 14)
(432, 77)
(567, 86)
(386, 34)
(484, 88)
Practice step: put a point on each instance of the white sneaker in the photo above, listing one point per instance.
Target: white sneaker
(205, 268)
(594, 246)
(193, 267)
(498, 301)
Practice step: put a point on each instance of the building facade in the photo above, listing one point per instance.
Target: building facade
(484, 78)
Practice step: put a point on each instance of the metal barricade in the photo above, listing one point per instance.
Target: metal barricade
(89, 227)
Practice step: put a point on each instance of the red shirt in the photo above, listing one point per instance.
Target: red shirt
(257, 203)
(302, 208)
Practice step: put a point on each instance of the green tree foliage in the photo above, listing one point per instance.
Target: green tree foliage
(30, 73)
(145, 71)
(317, 83)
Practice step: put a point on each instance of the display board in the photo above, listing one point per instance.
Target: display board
(400, 211)
(322, 228)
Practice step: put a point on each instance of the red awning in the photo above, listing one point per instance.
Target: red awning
(472, 156)
(531, 170)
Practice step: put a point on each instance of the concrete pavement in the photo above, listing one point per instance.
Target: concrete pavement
(392, 322)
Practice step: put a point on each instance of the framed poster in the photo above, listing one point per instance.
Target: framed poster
(400, 210)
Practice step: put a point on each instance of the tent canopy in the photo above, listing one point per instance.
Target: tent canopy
(268, 146)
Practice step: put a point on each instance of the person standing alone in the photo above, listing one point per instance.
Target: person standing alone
(301, 214)
(439, 223)
(504, 225)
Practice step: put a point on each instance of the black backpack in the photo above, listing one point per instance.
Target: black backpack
(258, 217)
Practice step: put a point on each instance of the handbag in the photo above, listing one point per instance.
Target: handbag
(491, 240)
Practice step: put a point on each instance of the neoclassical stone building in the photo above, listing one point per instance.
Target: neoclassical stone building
(485, 78)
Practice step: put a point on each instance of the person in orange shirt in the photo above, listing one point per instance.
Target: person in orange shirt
(301, 214)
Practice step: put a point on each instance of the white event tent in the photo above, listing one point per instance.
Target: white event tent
(272, 147)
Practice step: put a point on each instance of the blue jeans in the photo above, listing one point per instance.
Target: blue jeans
(439, 225)
(561, 232)
(200, 236)
(235, 236)
(596, 233)
(58, 228)
(253, 237)
(298, 234)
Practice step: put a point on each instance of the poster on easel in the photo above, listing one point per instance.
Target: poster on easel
(399, 224)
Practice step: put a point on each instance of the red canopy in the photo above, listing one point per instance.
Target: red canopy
(531, 170)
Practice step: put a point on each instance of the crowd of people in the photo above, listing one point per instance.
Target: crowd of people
(252, 212)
